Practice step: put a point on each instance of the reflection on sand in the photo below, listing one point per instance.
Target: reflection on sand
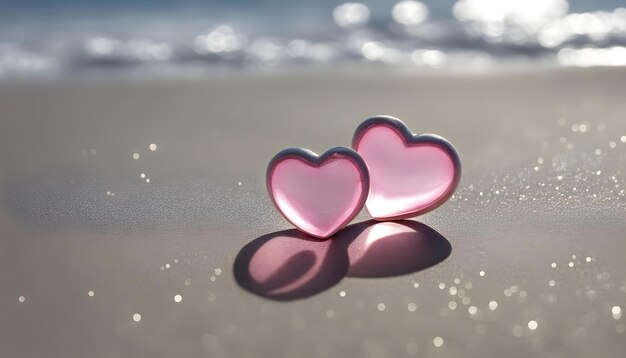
(395, 248)
(289, 265)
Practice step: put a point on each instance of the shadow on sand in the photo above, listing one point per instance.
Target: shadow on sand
(288, 265)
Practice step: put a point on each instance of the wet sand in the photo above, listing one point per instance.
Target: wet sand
(543, 183)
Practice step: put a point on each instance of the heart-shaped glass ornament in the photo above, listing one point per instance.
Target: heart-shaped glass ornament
(318, 194)
(409, 174)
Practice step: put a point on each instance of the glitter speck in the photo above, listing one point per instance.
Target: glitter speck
(438, 342)
(142, 175)
(442, 286)
(218, 271)
(551, 283)
(188, 282)
(482, 273)
(167, 266)
(452, 305)
(616, 311)
(239, 183)
(136, 317)
(416, 285)
(571, 264)
(330, 313)
(472, 310)
(153, 147)
(147, 180)
(588, 259)
(532, 325)
(381, 307)
(90, 293)
(623, 139)
(21, 299)
(178, 298)
(493, 305)
(411, 307)
(342, 293)
(136, 156)
(553, 265)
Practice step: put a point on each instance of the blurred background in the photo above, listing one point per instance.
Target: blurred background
(68, 38)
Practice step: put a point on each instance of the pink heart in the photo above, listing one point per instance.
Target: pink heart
(318, 194)
(409, 174)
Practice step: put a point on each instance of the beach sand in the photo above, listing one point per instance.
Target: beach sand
(537, 225)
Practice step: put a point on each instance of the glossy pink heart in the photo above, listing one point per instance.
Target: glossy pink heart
(318, 194)
(409, 174)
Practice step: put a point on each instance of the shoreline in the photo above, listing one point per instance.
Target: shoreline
(346, 71)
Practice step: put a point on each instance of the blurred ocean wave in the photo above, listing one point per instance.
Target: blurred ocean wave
(463, 35)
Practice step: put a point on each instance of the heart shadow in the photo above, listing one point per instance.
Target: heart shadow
(288, 265)
(392, 248)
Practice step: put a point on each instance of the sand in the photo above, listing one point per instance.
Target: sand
(543, 183)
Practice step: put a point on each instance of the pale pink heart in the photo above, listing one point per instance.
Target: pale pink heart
(409, 174)
(318, 195)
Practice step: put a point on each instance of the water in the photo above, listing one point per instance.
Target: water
(78, 38)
